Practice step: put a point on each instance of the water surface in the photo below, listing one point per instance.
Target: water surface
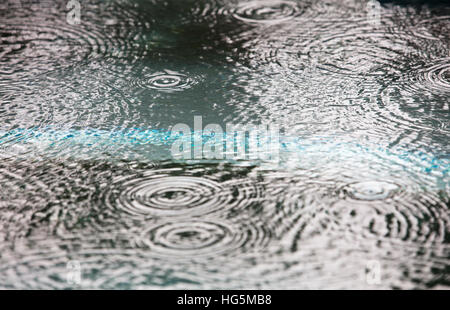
(359, 197)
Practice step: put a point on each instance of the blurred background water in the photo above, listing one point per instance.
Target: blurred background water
(89, 189)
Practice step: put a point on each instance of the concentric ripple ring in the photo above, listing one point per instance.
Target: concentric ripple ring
(436, 77)
(266, 11)
(196, 238)
(180, 192)
(170, 194)
(371, 190)
(166, 81)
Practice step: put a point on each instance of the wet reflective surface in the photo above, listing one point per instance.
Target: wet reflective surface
(360, 195)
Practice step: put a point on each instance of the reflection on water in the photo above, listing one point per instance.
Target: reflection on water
(88, 180)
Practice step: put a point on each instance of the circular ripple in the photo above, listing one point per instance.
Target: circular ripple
(397, 206)
(416, 103)
(56, 197)
(107, 259)
(371, 190)
(180, 191)
(37, 42)
(171, 194)
(436, 77)
(54, 103)
(266, 11)
(414, 107)
(167, 81)
(194, 238)
(391, 213)
(37, 48)
(353, 48)
(360, 52)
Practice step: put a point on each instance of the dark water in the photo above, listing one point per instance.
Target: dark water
(359, 197)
